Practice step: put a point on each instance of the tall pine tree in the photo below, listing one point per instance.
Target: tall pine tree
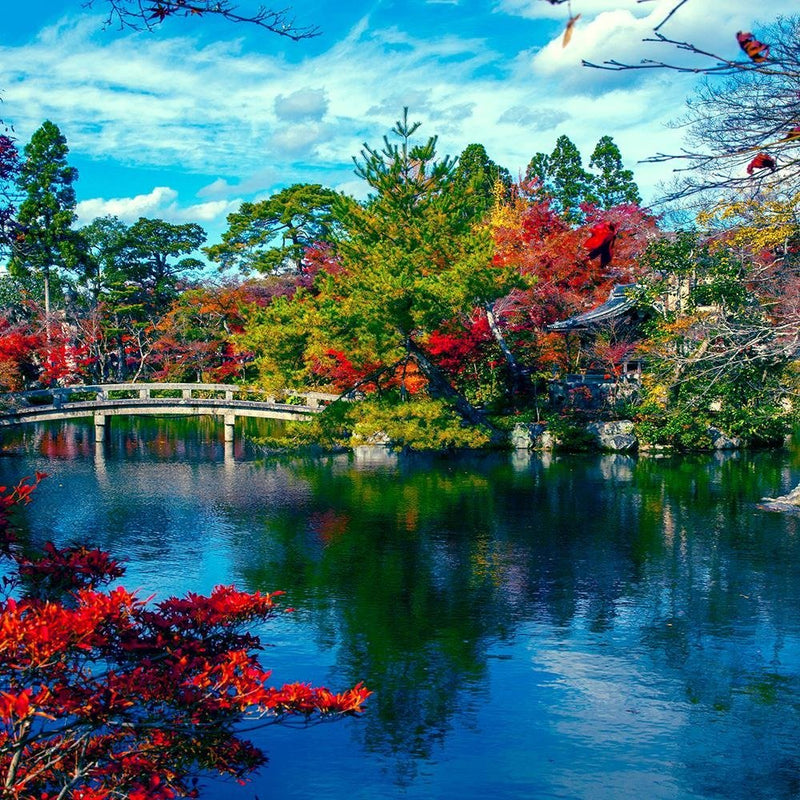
(563, 178)
(47, 211)
(613, 184)
(478, 176)
(410, 260)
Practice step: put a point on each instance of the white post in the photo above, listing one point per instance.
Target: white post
(230, 425)
(99, 427)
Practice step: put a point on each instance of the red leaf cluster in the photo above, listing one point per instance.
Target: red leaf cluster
(104, 695)
(761, 161)
(756, 51)
(561, 263)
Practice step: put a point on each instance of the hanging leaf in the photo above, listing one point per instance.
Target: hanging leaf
(569, 29)
(761, 161)
(756, 51)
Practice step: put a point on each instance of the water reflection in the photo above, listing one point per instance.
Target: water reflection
(577, 627)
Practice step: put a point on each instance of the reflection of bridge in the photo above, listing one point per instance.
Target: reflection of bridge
(157, 399)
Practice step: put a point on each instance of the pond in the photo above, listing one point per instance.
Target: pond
(599, 627)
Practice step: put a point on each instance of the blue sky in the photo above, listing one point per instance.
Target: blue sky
(187, 121)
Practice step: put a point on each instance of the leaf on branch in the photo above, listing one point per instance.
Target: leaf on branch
(756, 51)
(601, 242)
(793, 135)
(761, 161)
(569, 29)
(160, 12)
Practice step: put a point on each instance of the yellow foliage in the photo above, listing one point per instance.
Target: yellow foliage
(505, 212)
(654, 392)
(754, 225)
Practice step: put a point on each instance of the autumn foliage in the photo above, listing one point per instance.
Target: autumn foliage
(103, 694)
(569, 269)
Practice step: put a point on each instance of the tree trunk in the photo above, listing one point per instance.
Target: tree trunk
(441, 387)
(518, 374)
(46, 277)
(121, 366)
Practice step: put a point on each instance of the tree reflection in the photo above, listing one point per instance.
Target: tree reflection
(417, 571)
(634, 584)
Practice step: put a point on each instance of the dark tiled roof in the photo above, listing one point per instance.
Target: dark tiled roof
(619, 301)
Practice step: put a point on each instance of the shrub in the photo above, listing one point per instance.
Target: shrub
(419, 424)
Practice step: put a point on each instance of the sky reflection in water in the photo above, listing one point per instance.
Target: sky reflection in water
(570, 627)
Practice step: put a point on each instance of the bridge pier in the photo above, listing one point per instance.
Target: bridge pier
(230, 426)
(99, 427)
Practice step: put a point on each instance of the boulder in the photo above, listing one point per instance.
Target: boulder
(521, 438)
(617, 436)
(546, 441)
(721, 441)
(786, 502)
(531, 436)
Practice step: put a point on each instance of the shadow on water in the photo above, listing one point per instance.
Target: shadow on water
(575, 627)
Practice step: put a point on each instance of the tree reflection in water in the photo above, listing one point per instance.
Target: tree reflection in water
(582, 626)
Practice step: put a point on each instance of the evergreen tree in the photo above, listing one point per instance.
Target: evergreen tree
(47, 211)
(409, 260)
(563, 178)
(152, 251)
(9, 169)
(132, 273)
(102, 268)
(538, 169)
(477, 175)
(613, 184)
(272, 236)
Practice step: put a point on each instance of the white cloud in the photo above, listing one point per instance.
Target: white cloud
(260, 180)
(160, 203)
(264, 122)
(304, 104)
(615, 30)
(300, 140)
(217, 188)
(538, 118)
(707, 11)
(128, 209)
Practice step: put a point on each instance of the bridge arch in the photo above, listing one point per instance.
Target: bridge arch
(101, 401)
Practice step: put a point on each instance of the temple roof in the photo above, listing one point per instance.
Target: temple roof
(619, 301)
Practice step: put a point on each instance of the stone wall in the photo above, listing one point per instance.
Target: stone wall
(617, 436)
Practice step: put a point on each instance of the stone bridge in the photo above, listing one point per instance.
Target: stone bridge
(157, 399)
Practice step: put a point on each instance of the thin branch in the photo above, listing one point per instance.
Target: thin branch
(147, 14)
(671, 13)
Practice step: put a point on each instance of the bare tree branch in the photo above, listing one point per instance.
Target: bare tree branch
(147, 14)
(669, 15)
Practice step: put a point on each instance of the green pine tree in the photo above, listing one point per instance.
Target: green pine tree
(411, 259)
(47, 212)
(613, 184)
(563, 179)
(271, 236)
(477, 175)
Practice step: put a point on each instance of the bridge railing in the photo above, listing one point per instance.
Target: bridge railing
(63, 395)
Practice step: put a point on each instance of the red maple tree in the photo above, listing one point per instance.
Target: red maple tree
(104, 695)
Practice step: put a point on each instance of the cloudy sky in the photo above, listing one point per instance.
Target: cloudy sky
(186, 121)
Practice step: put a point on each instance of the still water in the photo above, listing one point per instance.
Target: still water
(598, 627)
